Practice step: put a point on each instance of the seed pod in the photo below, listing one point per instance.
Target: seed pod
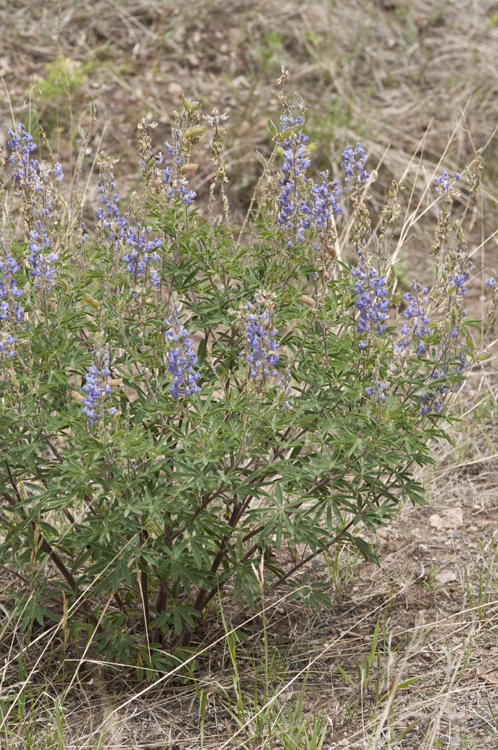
(331, 251)
(91, 301)
(308, 301)
(189, 168)
(197, 130)
(115, 381)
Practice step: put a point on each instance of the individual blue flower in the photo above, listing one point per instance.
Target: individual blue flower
(181, 359)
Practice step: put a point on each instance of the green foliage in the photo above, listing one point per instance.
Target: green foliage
(54, 93)
(64, 77)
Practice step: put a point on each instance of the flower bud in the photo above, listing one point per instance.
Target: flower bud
(287, 132)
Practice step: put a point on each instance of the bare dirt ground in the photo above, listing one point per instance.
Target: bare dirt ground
(417, 84)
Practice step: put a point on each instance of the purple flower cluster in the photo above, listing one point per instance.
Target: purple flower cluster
(182, 359)
(444, 182)
(376, 388)
(354, 159)
(294, 208)
(261, 338)
(300, 208)
(97, 387)
(35, 181)
(324, 202)
(7, 344)
(11, 312)
(42, 265)
(373, 302)
(285, 385)
(461, 272)
(432, 400)
(175, 186)
(9, 288)
(22, 144)
(108, 214)
(141, 250)
(416, 325)
(130, 242)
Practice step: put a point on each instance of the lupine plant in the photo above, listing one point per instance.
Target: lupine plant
(180, 400)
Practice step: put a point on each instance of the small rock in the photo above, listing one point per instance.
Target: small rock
(241, 82)
(175, 91)
(446, 576)
(450, 518)
(192, 60)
